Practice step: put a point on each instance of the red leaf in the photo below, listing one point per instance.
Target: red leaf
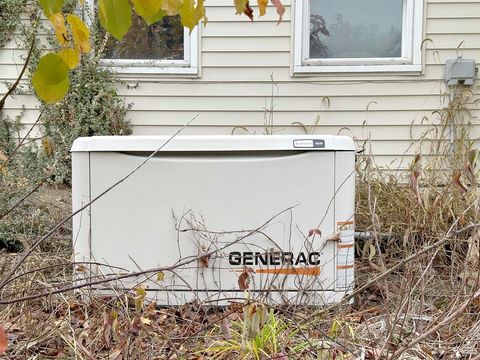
(248, 11)
(314, 231)
(413, 180)
(3, 341)
(243, 280)
(280, 9)
(136, 324)
(458, 183)
(204, 260)
(225, 326)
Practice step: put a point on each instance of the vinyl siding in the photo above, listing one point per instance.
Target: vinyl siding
(246, 72)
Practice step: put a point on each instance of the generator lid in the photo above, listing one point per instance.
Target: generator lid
(214, 143)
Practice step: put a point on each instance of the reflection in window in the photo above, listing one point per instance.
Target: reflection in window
(355, 28)
(162, 40)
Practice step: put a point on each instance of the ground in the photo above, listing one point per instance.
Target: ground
(424, 309)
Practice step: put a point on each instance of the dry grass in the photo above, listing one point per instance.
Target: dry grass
(428, 308)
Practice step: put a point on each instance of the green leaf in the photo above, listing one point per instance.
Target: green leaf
(150, 10)
(51, 7)
(115, 16)
(50, 79)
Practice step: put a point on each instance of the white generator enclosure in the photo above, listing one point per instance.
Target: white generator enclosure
(206, 217)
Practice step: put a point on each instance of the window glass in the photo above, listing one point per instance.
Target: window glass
(162, 40)
(355, 28)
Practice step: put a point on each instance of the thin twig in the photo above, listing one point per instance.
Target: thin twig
(20, 143)
(132, 274)
(437, 327)
(24, 68)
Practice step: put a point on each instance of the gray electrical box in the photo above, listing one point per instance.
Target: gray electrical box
(460, 71)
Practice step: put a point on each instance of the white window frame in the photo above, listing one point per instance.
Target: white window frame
(186, 66)
(410, 60)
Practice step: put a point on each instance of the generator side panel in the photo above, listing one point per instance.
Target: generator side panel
(80, 198)
(344, 220)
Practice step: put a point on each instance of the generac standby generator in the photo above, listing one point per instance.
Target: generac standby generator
(274, 213)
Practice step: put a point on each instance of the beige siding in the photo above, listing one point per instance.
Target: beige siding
(239, 60)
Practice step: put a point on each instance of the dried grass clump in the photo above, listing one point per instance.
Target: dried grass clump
(408, 209)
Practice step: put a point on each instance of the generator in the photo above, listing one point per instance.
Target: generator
(211, 218)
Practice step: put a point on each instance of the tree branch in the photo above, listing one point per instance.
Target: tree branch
(17, 82)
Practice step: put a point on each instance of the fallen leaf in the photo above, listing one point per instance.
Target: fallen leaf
(145, 320)
(3, 341)
(136, 324)
(225, 326)
(116, 355)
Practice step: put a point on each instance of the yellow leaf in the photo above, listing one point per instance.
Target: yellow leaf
(80, 32)
(58, 22)
(140, 295)
(191, 14)
(145, 320)
(160, 276)
(70, 56)
(48, 146)
(187, 14)
(262, 6)
(172, 7)
(199, 12)
(240, 6)
(150, 10)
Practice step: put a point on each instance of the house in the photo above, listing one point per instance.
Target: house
(370, 69)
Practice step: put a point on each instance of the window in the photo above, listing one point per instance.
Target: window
(357, 35)
(165, 47)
